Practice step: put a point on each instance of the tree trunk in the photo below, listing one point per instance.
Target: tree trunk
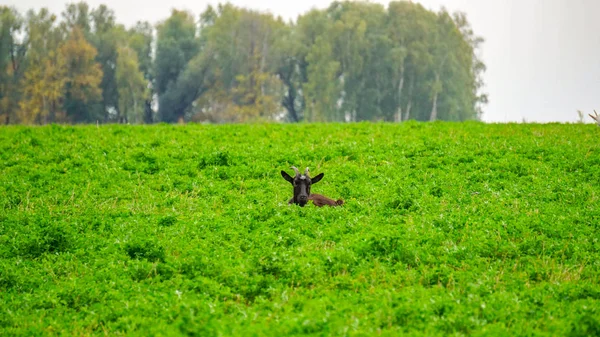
(409, 104)
(288, 103)
(437, 89)
(263, 62)
(407, 113)
(53, 111)
(135, 110)
(44, 109)
(433, 115)
(398, 117)
(263, 57)
(148, 111)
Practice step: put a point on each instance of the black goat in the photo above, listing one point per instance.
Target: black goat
(302, 184)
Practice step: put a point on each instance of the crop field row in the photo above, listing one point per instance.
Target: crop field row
(447, 229)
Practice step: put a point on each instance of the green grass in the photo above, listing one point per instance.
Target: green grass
(448, 229)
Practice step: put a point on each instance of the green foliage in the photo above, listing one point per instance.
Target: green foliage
(140, 40)
(353, 61)
(83, 78)
(12, 52)
(106, 37)
(77, 14)
(447, 229)
(176, 45)
(215, 159)
(43, 84)
(245, 57)
(321, 88)
(132, 86)
(144, 249)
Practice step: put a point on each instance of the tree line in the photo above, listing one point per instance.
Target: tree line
(352, 61)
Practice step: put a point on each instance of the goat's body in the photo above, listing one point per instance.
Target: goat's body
(321, 200)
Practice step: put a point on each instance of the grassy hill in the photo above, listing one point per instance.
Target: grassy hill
(448, 229)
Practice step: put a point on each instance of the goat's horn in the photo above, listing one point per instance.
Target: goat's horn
(295, 170)
(306, 171)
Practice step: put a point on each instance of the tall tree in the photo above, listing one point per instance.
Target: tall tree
(196, 79)
(322, 87)
(473, 43)
(140, 40)
(443, 55)
(105, 37)
(176, 45)
(248, 62)
(12, 52)
(77, 14)
(409, 25)
(83, 78)
(318, 67)
(362, 47)
(131, 85)
(287, 50)
(45, 76)
(453, 78)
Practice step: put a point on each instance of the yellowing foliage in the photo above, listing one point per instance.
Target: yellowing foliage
(84, 74)
(43, 89)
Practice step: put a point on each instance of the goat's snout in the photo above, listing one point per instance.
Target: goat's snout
(303, 197)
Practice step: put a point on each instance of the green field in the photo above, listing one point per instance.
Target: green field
(447, 229)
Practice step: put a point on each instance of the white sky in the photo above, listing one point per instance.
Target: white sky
(542, 56)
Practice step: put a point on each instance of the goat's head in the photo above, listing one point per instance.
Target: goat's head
(301, 183)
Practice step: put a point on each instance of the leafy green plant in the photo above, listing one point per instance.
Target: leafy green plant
(446, 229)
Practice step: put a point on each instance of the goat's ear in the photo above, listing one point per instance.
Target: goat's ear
(287, 177)
(317, 178)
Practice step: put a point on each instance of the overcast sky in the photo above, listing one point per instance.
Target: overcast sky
(543, 56)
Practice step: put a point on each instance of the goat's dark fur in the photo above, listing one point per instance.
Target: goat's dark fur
(302, 184)
(321, 200)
